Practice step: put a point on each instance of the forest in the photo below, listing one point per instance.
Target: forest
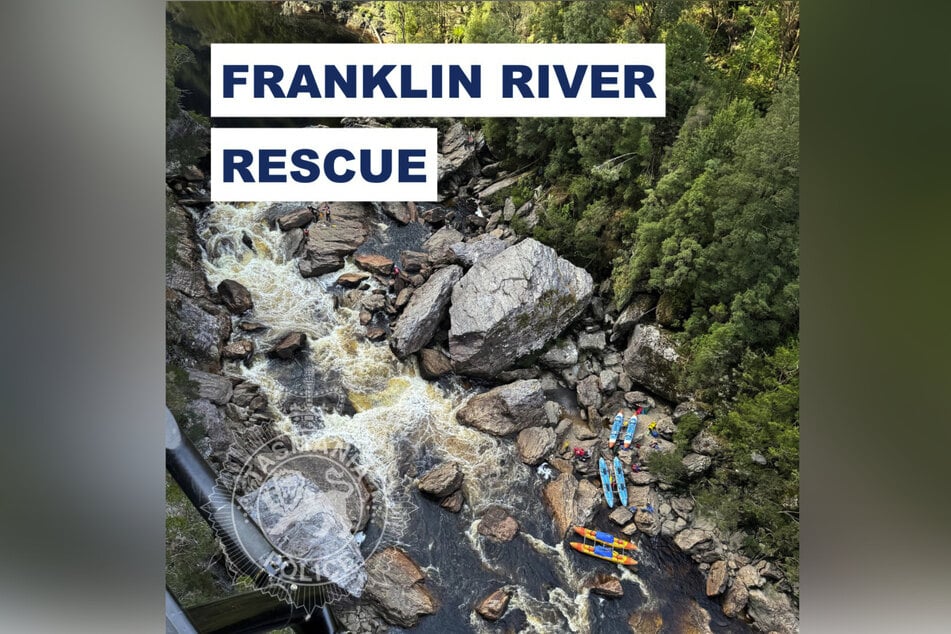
(699, 209)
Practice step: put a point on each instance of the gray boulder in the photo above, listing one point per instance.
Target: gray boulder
(506, 409)
(437, 245)
(696, 464)
(433, 364)
(589, 392)
(497, 524)
(214, 387)
(563, 353)
(426, 308)
(469, 253)
(591, 341)
(651, 359)
(510, 306)
(632, 315)
(395, 587)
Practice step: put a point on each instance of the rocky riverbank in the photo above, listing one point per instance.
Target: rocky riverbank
(476, 300)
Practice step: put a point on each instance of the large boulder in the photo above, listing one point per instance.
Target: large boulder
(469, 253)
(506, 409)
(604, 584)
(691, 540)
(534, 443)
(426, 308)
(571, 502)
(288, 345)
(235, 296)
(441, 480)
(651, 359)
(214, 387)
(632, 315)
(196, 331)
(589, 392)
(374, 263)
(510, 306)
(329, 243)
(400, 212)
(457, 160)
(300, 217)
(395, 587)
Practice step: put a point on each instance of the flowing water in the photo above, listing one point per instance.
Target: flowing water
(401, 425)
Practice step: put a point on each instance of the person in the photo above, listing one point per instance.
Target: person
(652, 428)
(580, 453)
(470, 140)
(398, 282)
(313, 212)
(325, 208)
(649, 508)
(636, 467)
(306, 233)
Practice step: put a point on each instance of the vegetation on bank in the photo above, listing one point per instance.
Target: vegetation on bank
(700, 208)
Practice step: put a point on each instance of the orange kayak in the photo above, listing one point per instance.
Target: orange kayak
(603, 552)
(604, 538)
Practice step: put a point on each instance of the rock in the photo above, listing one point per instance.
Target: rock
(749, 577)
(328, 244)
(591, 341)
(758, 458)
(241, 349)
(632, 315)
(696, 464)
(621, 516)
(291, 244)
(457, 161)
(402, 299)
(493, 606)
(399, 212)
(563, 353)
(717, 578)
(641, 477)
(235, 296)
(571, 502)
(682, 506)
(395, 587)
(705, 443)
(589, 392)
(608, 380)
(509, 306)
(376, 333)
(518, 374)
(735, 600)
(413, 261)
(426, 308)
(700, 410)
(652, 361)
(441, 480)
(497, 524)
(605, 585)
(506, 409)
(251, 326)
(689, 539)
(214, 387)
(630, 529)
(453, 502)
(508, 210)
(294, 220)
(553, 411)
(483, 247)
(438, 244)
(379, 264)
(365, 317)
(772, 611)
(289, 344)
(534, 443)
(352, 280)
(433, 364)
(646, 622)
(195, 331)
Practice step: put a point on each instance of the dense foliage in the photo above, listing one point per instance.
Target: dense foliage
(700, 209)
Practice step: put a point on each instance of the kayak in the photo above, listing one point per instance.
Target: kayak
(616, 429)
(603, 552)
(620, 482)
(629, 433)
(605, 538)
(606, 482)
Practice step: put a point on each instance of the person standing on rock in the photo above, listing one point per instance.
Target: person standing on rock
(325, 209)
(313, 212)
(398, 282)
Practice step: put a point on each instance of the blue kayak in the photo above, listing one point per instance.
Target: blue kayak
(619, 479)
(606, 482)
(615, 429)
(629, 433)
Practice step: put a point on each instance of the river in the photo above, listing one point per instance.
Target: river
(402, 425)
